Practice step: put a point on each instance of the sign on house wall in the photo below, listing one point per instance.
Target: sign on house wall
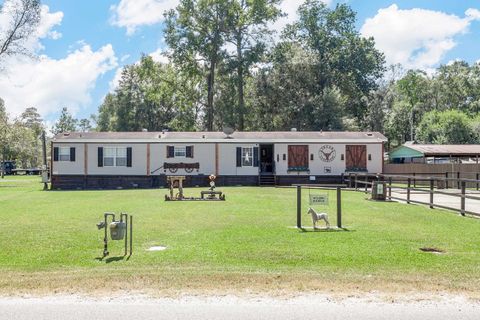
(327, 153)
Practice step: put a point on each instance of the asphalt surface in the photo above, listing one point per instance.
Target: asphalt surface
(451, 201)
(306, 307)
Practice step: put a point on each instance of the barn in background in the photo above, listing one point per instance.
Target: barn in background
(109, 160)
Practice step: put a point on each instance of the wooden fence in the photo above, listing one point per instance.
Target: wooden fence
(395, 184)
(457, 171)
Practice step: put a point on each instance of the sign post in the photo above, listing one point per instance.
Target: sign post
(299, 207)
(339, 207)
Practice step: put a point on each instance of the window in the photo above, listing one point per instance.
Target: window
(121, 159)
(115, 157)
(247, 157)
(180, 152)
(63, 154)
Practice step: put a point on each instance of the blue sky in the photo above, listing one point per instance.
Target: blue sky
(84, 44)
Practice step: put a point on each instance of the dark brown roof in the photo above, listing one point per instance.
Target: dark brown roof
(430, 150)
(286, 135)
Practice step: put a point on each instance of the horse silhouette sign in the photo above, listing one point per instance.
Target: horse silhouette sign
(319, 199)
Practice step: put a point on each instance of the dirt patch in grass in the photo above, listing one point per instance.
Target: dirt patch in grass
(173, 283)
(432, 250)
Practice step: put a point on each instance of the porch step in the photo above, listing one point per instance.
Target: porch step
(266, 180)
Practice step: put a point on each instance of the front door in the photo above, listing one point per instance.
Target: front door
(356, 158)
(266, 159)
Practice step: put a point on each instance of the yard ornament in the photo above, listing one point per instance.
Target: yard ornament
(318, 216)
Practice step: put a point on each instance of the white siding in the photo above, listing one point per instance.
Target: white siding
(376, 164)
(228, 161)
(139, 161)
(70, 167)
(317, 166)
(203, 153)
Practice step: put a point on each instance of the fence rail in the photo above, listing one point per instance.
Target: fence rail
(433, 186)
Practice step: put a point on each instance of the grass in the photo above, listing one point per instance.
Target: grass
(49, 243)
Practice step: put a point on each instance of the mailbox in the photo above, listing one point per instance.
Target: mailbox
(117, 230)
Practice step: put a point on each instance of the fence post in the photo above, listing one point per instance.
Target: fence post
(356, 184)
(339, 207)
(414, 181)
(299, 207)
(478, 178)
(366, 183)
(390, 188)
(458, 180)
(462, 203)
(446, 180)
(431, 192)
(408, 189)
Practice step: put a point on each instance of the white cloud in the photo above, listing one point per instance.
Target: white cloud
(159, 56)
(132, 14)
(124, 58)
(473, 13)
(50, 84)
(113, 84)
(289, 8)
(48, 20)
(416, 38)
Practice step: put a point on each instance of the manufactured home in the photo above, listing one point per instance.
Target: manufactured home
(109, 160)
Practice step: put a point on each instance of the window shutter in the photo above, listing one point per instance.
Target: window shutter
(72, 154)
(255, 157)
(170, 152)
(239, 157)
(55, 154)
(129, 156)
(189, 151)
(100, 157)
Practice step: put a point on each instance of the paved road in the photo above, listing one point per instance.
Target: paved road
(442, 199)
(307, 307)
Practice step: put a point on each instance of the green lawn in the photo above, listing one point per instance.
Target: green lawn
(49, 242)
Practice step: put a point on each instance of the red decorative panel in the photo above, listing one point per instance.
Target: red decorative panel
(298, 158)
(356, 158)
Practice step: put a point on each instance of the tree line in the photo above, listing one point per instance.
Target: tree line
(227, 68)
(20, 137)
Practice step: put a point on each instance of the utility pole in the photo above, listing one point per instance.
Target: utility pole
(44, 171)
(4, 148)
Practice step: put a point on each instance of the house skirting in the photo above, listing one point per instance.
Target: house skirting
(106, 182)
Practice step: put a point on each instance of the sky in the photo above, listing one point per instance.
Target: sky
(83, 45)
